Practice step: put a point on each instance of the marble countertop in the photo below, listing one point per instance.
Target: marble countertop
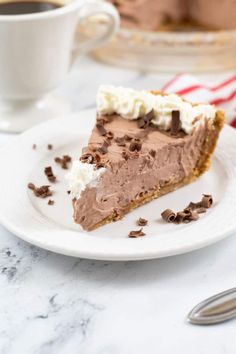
(53, 304)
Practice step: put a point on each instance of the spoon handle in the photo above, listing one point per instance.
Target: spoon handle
(216, 309)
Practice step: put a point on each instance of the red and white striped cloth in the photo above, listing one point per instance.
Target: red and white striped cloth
(222, 94)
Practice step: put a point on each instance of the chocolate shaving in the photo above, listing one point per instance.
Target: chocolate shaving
(175, 122)
(101, 129)
(201, 210)
(152, 153)
(120, 141)
(63, 161)
(50, 146)
(186, 216)
(146, 120)
(31, 186)
(125, 155)
(41, 192)
(109, 135)
(103, 149)
(127, 137)
(87, 158)
(193, 205)
(34, 146)
(116, 215)
(168, 215)
(99, 165)
(106, 142)
(68, 192)
(103, 120)
(206, 201)
(135, 145)
(142, 222)
(190, 213)
(51, 202)
(194, 215)
(180, 217)
(49, 173)
(136, 234)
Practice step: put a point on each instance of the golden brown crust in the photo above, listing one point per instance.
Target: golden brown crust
(202, 166)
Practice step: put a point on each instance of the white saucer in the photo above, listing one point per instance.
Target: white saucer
(52, 227)
(17, 116)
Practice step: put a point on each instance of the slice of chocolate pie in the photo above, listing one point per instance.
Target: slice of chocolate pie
(144, 144)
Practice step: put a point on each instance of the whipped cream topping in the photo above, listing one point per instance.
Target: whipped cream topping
(81, 175)
(131, 104)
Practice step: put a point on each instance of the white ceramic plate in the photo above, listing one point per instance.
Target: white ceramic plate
(52, 227)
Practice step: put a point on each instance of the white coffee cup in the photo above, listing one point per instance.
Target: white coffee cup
(35, 56)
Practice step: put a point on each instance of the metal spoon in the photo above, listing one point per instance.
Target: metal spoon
(216, 309)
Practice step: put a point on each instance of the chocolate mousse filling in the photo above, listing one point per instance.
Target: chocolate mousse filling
(151, 163)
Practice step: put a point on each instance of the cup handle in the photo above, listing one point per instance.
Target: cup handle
(94, 8)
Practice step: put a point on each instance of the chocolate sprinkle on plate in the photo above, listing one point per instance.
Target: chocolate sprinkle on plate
(63, 161)
(168, 215)
(142, 222)
(34, 146)
(51, 202)
(41, 192)
(50, 146)
(190, 213)
(136, 234)
(201, 210)
(206, 201)
(175, 122)
(49, 173)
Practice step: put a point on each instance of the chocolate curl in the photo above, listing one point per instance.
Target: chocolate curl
(201, 210)
(168, 215)
(135, 145)
(103, 149)
(142, 222)
(41, 192)
(186, 216)
(136, 234)
(109, 135)
(120, 141)
(146, 120)
(63, 161)
(206, 201)
(49, 173)
(194, 216)
(87, 158)
(183, 216)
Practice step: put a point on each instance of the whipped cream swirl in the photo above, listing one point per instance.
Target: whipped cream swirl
(131, 104)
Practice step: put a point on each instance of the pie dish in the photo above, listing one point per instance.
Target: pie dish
(143, 145)
(155, 36)
(163, 15)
